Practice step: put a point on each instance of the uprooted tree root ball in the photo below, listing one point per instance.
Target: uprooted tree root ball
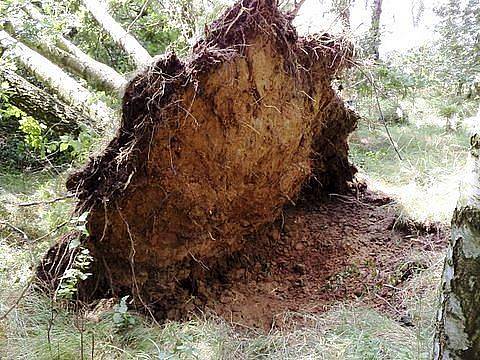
(209, 152)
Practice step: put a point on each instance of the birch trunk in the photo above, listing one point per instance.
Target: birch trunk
(36, 102)
(126, 41)
(67, 89)
(65, 53)
(375, 29)
(458, 320)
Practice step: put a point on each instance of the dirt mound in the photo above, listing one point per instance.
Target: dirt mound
(316, 254)
(210, 151)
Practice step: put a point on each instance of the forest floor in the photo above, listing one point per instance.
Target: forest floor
(345, 248)
(349, 278)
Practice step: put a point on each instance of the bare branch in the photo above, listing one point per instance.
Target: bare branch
(51, 201)
(296, 7)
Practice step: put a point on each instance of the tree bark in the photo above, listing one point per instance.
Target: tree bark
(458, 319)
(126, 41)
(375, 29)
(67, 89)
(56, 115)
(65, 53)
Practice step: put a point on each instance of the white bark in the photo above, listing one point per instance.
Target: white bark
(457, 329)
(67, 88)
(126, 41)
(67, 54)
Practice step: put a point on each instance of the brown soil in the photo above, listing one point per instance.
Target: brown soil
(190, 205)
(209, 152)
(321, 252)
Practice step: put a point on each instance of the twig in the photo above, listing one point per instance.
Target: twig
(392, 287)
(23, 233)
(389, 304)
(142, 10)
(25, 236)
(374, 86)
(384, 122)
(296, 8)
(51, 231)
(22, 295)
(68, 196)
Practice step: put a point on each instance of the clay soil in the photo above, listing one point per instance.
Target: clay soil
(320, 252)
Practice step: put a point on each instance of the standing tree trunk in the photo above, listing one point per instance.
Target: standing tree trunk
(458, 320)
(67, 88)
(375, 29)
(126, 41)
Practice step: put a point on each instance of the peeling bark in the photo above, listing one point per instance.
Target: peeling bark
(458, 320)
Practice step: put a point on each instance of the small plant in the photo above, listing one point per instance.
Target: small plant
(81, 262)
(448, 110)
(121, 317)
(78, 272)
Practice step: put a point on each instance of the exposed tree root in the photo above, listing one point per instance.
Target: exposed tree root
(210, 151)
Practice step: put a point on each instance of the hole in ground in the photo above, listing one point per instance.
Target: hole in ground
(319, 253)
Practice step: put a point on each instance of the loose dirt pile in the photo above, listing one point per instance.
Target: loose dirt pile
(208, 154)
(318, 253)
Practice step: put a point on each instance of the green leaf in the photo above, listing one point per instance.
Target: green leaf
(63, 146)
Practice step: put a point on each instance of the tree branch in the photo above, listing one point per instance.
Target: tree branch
(296, 7)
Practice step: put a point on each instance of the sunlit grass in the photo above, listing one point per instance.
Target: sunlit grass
(350, 331)
(425, 182)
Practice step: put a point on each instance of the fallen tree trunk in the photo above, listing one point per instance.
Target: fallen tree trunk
(67, 88)
(458, 321)
(80, 63)
(56, 115)
(209, 152)
(127, 42)
(66, 54)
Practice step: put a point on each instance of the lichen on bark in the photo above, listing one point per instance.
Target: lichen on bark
(458, 321)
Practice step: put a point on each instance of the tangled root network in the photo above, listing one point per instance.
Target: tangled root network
(209, 152)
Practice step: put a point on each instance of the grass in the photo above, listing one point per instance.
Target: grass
(347, 332)
(424, 185)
